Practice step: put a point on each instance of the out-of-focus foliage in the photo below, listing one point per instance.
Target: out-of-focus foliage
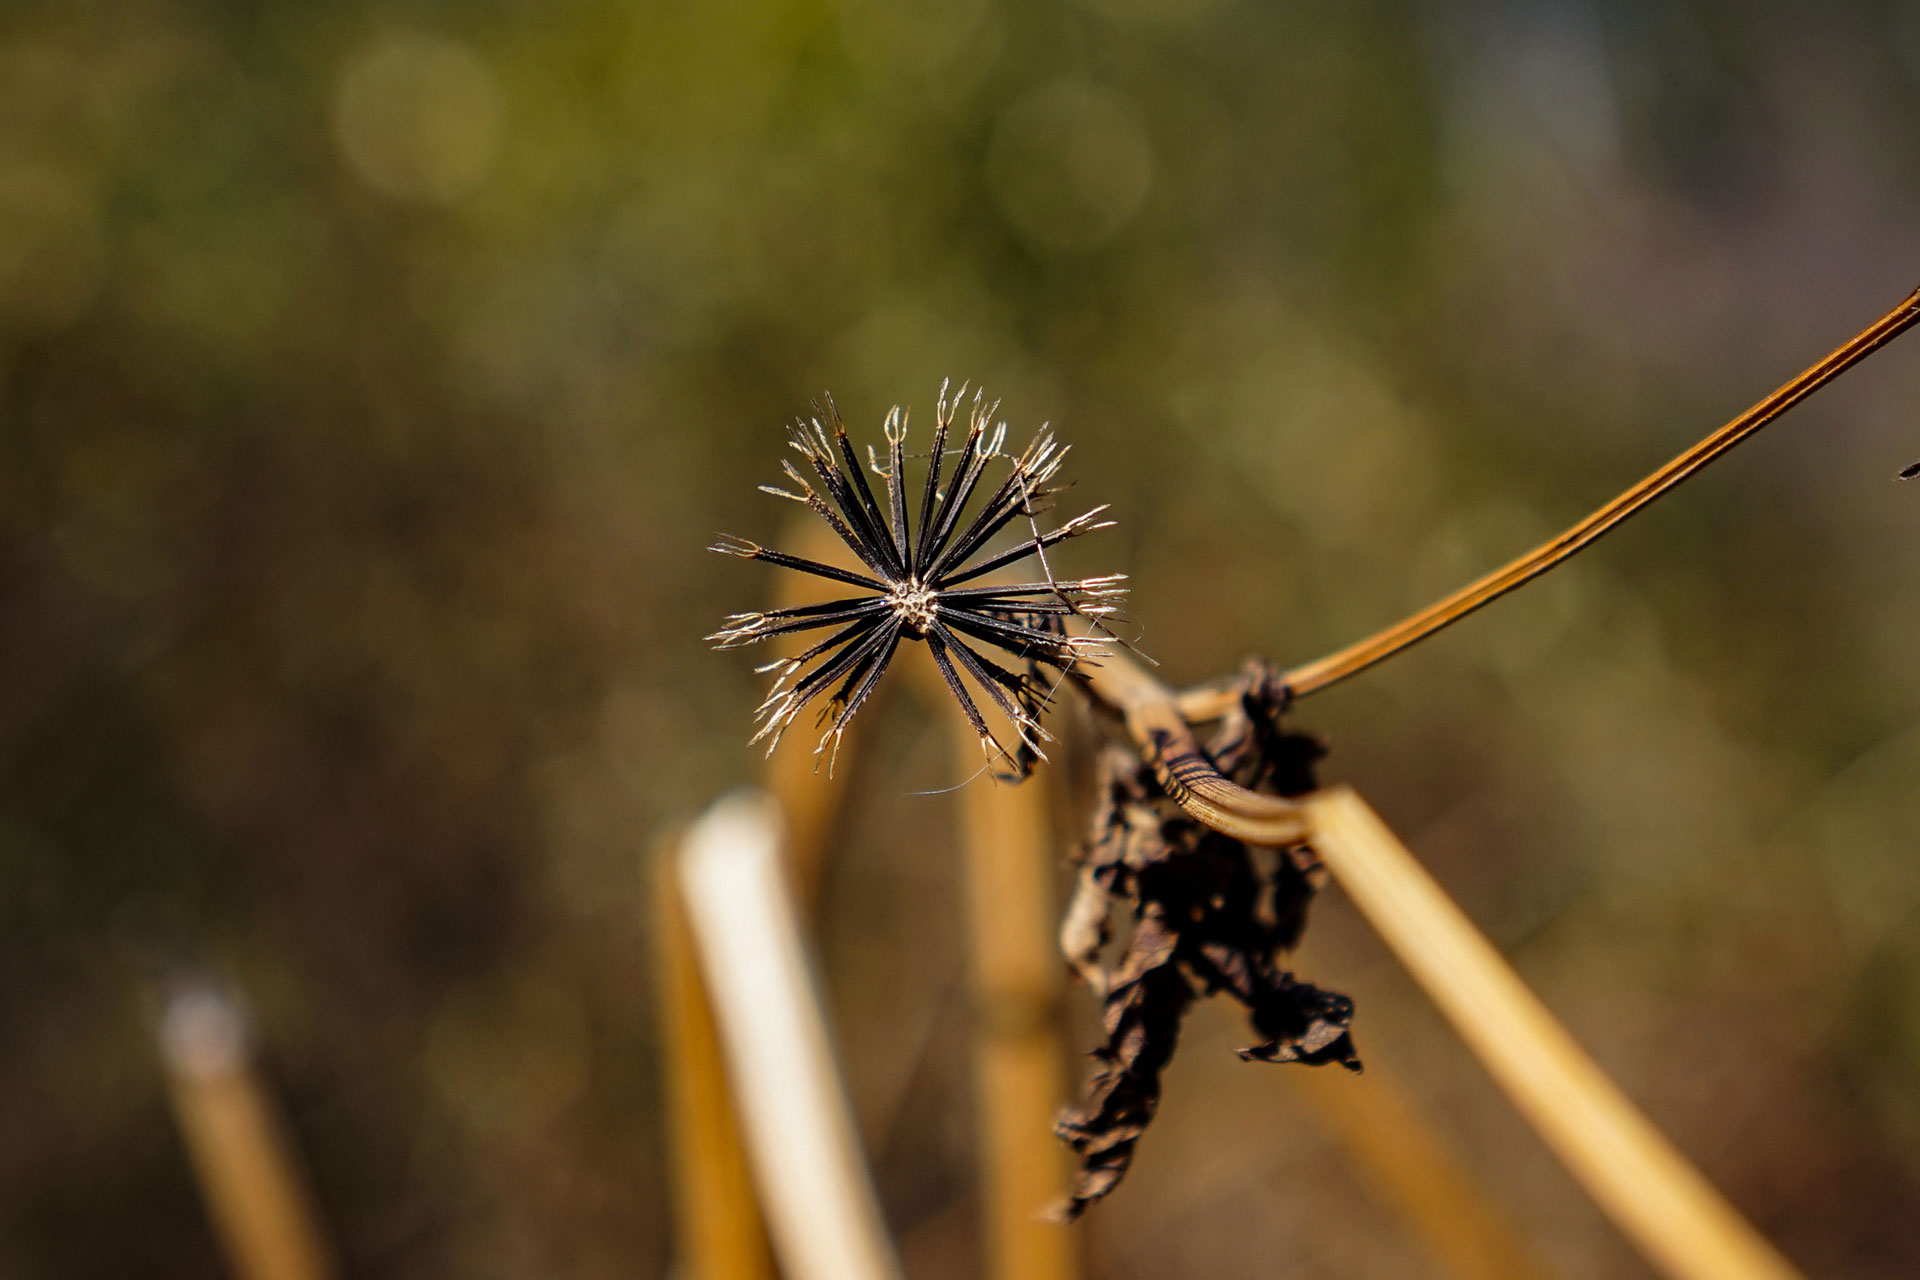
(371, 377)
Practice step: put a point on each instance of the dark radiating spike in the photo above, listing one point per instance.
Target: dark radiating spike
(853, 675)
(964, 487)
(872, 551)
(862, 491)
(815, 610)
(867, 539)
(897, 484)
(966, 474)
(1071, 529)
(853, 632)
(995, 606)
(810, 440)
(1018, 494)
(995, 679)
(1101, 588)
(930, 537)
(942, 416)
(783, 707)
(754, 551)
(938, 648)
(788, 667)
(1017, 638)
(994, 515)
(838, 665)
(755, 627)
(851, 706)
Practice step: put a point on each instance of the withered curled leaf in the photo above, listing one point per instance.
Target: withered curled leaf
(1209, 914)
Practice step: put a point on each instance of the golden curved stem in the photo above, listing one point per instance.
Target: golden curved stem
(1314, 676)
(1155, 723)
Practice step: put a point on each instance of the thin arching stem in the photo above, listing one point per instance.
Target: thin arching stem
(1335, 667)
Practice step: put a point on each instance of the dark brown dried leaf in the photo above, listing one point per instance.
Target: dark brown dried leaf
(1209, 914)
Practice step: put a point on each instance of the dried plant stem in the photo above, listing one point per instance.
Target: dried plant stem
(1155, 722)
(1314, 676)
(719, 1232)
(1020, 1070)
(1663, 1204)
(246, 1167)
(800, 1137)
(1388, 1139)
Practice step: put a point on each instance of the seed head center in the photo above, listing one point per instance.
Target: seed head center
(913, 602)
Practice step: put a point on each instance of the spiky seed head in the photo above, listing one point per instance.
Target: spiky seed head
(918, 571)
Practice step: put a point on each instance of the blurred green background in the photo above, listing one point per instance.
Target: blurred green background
(373, 375)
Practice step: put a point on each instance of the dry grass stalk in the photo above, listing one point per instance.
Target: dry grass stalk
(1663, 1204)
(801, 1142)
(719, 1232)
(247, 1169)
(1020, 1069)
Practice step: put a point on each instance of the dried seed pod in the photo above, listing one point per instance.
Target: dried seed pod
(916, 584)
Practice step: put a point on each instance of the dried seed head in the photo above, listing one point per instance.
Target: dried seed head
(915, 584)
(916, 605)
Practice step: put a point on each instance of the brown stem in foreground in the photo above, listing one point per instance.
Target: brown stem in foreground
(1019, 1063)
(1679, 1222)
(248, 1169)
(1677, 1219)
(803, 1150)
(719, 1231)
(1335, 667)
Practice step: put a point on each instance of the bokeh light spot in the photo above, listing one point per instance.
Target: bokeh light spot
(418, 117)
